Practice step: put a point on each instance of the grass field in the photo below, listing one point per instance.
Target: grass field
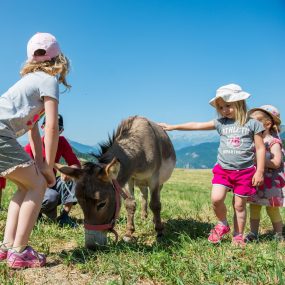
(183, 256)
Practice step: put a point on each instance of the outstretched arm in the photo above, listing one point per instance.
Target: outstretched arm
(190, 126)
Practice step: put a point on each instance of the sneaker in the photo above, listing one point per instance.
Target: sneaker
(238, 240)
(217, 233)
(65, 220)
(251, 237)
(3, 254)
(28, 258)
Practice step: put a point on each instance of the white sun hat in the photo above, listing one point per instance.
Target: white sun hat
(229, 93)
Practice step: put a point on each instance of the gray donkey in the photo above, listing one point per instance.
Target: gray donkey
(139, 154)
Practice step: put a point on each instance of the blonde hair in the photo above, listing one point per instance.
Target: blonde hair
(265, 117)
(57, 65)
(240, 109)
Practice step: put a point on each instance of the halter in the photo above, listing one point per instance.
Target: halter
(110, 226)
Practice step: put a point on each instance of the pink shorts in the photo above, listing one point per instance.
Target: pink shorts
(239, 181)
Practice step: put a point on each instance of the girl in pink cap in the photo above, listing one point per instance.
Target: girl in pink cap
(21, 107)
(272, 193)
(235, 170)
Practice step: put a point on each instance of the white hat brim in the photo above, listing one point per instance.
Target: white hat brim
(230, 97)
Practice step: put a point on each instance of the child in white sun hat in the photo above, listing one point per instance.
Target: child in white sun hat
(272, 193)
(235, 169)
(21, 107)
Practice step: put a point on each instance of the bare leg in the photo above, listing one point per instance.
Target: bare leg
(278, 228)
(276, 219)
(155, 206)
(254, 218)
(144, 197)
(25, 205)
(239, 214)
(219, 193)
(12, 216)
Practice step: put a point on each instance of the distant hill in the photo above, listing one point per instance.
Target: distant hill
(199, 156)
(186, 138)
(83, 157)
(83, 148)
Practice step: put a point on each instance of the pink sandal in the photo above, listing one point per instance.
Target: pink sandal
(238, 240)
(218, 232)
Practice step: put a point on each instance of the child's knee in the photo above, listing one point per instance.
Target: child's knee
(217, 201)
(239, 206)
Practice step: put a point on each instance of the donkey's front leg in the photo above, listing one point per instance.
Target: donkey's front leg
(155, 206)
(144, 197)
(130, 204)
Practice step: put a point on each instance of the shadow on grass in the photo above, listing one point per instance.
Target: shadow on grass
(192, 228)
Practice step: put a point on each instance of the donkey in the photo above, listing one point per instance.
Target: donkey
(140, 154)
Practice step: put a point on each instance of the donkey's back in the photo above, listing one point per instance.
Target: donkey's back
(148, 149)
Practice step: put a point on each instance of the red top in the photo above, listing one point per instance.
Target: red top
(2, 182)
(63, 150)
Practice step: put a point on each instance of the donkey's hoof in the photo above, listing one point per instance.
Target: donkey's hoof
(128, 239)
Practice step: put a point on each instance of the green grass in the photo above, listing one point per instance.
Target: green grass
(183, 256)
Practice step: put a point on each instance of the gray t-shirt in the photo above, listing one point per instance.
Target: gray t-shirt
(23, 105)
(236, 150)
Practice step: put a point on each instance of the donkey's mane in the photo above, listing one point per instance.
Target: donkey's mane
(91, 167)
(103, 156)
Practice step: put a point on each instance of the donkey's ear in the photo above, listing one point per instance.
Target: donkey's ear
(112, 169)
(70, 171)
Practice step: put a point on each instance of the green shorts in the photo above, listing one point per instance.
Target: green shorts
(12, 155)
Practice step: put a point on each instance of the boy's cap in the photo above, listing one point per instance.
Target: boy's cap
(229, 93)
(45, 42)
(272, 111)
(60, 122)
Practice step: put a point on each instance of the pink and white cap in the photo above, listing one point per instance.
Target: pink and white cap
(42, 41)
(272, 111)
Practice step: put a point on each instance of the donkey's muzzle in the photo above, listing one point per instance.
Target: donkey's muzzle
(95, 239)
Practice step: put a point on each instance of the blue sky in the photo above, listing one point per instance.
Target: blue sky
(156, 58)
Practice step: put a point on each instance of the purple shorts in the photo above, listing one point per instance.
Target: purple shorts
(239, 181)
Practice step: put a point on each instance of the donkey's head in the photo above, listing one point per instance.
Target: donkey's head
(97, 197)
